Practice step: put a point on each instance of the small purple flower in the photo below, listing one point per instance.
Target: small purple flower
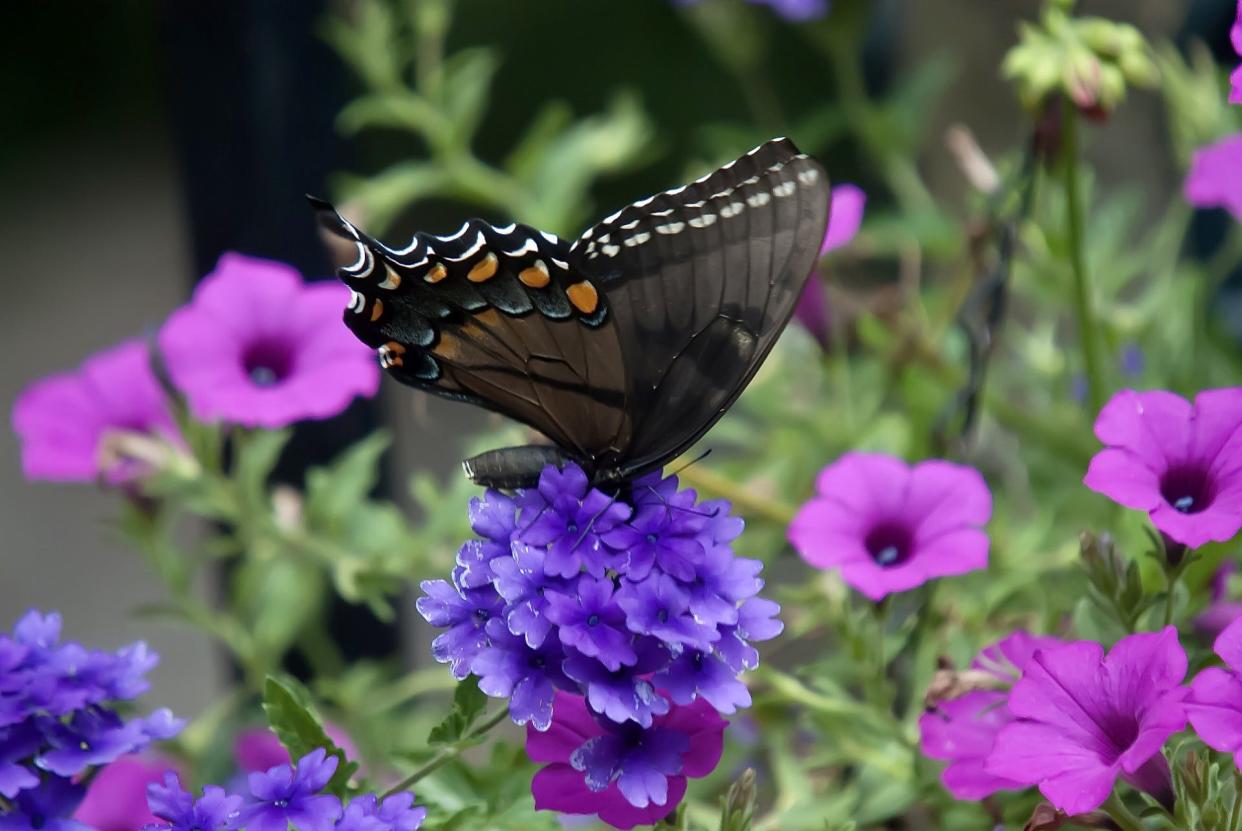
(285, 795)
(663, 533)
(1181, 463)
(18, 744)
(64, 421)
(522, 582)
(889, 527)
(1215, 178)
(464, 614)
(91, 738)
(659, 607)
(695, 674)
(258, 347)
(569, 518)
(624, 694)
(845, 215)
(215, 810)
(529, 678)
(398, 812)
(626, 776)
(116, 798)
(494, 518)
(721, 583)
(592, 622)
(1215, 702)
(46, 807)
(962, 730)
(1085, 718)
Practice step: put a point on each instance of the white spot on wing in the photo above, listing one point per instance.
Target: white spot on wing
(458, 234)
(392, 280)
(611, 250)
(528, 247)
(808, 176)
(702, 221)
(670, 228)
(758, 200)
(475, 248)
(785, 188)
(731, 210)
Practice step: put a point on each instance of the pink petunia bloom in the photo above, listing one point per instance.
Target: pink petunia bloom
(64, 421)
(1181, 463)
(1085, 719)
(1235, 35)
(889, 527)
(963, 730)
(1215, 702)
(256, 346)
(845, 215)
(627, 776)
(116, 799)
(259, 749)
(1215, 178)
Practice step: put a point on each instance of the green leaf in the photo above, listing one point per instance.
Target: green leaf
(256, 454)
(334, 492)
(468, 704)
(289, 714)
(381, 198)
(468, 75)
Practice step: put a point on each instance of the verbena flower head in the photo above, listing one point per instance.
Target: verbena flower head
(845, 215)
(1214, 705)
(1179, 462)
(45, 807)
(889, 527)
(56, 701)
(64, 421)
(962, 730)
(284, 796)
(1215, 178)
(116, 797)
(1085, 718)
(624, 774)
(258, 347)
(634, 601)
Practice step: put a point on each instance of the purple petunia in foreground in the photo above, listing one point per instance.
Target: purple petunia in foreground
(1085, 719)
(1215, 177)
(257, 346)
(64, 421)
(1214, 706)
(625, 775)
(844, 219)
(1179, 462)
(963, 730)
(889, 527)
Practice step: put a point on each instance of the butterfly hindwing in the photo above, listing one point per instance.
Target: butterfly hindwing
(492, 316)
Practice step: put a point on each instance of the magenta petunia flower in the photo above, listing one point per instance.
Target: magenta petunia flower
(1221, 610)
(963, 730)
(1215, 178)
(1235, 35)
(1181, 463)
(1085, 718)
(1215, 702)
(626, 777)
(845, 217)
(116, 799)
(888, 527)
(64, 421)
(256, 346)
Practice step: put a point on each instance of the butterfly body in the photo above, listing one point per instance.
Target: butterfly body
(622, 347)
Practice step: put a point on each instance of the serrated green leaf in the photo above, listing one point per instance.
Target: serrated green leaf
(289, 714)
(469, 702)
(255, 456)
(334, 492)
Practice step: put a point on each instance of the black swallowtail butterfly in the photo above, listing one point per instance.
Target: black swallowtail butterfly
(624, 346)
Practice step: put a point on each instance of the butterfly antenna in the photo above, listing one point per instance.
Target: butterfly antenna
(693, 461)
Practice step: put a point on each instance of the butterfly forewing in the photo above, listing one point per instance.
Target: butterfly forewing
(700, 281)
(492, 316)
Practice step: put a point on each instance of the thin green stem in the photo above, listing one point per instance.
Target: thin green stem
(744, 498)
(447, 755)
(1120, 814)
(1235, 813)
(1088, 334)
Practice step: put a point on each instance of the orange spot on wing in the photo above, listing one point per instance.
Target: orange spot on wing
(377, 310)
(584, 296)
(436, 273)
(484, 269)
(536, 276)
(394, 346)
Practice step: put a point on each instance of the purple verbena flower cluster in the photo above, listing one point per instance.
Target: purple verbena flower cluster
(56, 710)
(634, 601)
(282, 796)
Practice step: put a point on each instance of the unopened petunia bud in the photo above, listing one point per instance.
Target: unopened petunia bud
(739, 804)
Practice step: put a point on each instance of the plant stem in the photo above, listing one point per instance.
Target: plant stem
(1088, 335)
(447, 755)
(1236, 811)
(746, 499)
(1120, 814)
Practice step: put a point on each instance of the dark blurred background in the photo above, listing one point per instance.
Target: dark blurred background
(142, 139)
